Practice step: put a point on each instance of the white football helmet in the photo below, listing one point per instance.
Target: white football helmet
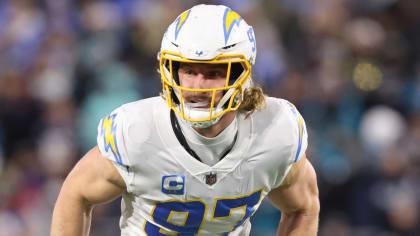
(214, 35)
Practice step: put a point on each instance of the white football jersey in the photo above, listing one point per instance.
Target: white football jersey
(169, 192)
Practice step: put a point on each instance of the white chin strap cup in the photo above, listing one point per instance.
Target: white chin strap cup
(201, 113)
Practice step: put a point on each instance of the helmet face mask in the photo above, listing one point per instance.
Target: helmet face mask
(207, 34)
(232, 89)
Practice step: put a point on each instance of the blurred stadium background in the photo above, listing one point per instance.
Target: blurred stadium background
(352, 67)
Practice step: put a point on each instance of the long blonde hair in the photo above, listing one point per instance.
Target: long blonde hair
(254, 99)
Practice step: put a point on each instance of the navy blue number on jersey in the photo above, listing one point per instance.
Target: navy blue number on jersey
(162, 214)
(194, 212)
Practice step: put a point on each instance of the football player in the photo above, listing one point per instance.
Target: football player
(199, 159)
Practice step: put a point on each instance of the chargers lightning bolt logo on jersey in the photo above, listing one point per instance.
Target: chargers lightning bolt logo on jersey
(109, 133)
(180, 22)
(230, 18)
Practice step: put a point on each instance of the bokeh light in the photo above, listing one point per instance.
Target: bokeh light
(367, 76)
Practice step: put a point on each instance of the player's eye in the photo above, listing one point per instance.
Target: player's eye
(214, 74)
(188, 71)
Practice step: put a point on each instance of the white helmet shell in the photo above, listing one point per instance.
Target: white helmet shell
(206, 31)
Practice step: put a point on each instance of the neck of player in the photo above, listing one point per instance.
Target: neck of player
(214, 130)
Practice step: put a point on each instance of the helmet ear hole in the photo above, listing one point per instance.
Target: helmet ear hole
(235, 71)
(175, 67)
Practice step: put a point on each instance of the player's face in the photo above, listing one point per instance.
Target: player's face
(202, 76)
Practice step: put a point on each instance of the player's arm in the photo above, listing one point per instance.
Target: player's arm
(93, 180)
(297, 199)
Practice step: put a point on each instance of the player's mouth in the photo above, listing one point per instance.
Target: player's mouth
(201, 104)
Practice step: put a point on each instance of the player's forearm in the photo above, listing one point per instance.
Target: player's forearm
(71, 217)
(299, 224)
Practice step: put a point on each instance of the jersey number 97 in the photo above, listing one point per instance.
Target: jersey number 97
(192, 213)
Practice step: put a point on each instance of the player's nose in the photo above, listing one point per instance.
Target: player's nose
(199, 81)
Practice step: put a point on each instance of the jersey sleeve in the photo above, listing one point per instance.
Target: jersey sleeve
(289, 131)
(299, 132)
(111, 142)
(296, 139)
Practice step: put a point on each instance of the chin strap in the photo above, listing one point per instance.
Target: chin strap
(180, 136)
(204, 124)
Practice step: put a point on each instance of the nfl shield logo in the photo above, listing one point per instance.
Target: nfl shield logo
(211, 178)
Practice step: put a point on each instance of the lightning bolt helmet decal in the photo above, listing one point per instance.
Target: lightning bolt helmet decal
(180, 22)
(230, 19)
